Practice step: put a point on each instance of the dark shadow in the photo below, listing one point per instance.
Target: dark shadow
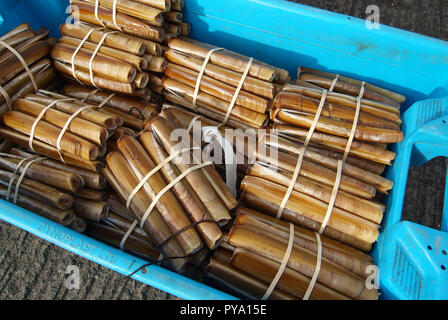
(425, 191)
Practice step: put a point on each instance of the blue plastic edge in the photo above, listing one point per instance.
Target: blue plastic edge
(108, 256)
(425, 130)
(38, 13)
(412, 64)
(287, 35)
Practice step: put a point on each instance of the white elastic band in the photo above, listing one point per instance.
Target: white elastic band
(334, 193)
(102, 104)
(39, 117)
(337, 182)
(27, 69)
(302, 154)
(192, 122)
(77, 50)
(94, 55)
(201, 73)
(97, 4)
(355, 122)
(91, 93)
(153, 171)
(95, 91)
(14, 174)
(7, 97)
(283, 265)
(114, 15)
(19, 181)
(64, 129)
(237, 91)
(168, 187)
(316, 269)
(127, 234)
(334, 83)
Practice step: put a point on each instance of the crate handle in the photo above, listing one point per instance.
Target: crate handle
(426, 137)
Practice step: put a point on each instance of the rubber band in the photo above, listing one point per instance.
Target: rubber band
(94, 55)
(64, 129)
(178, 232)
(192, 122)
(153, 171)
(337, 182)
(312, 283)
(334, 193)
(283, 264)
(36, 38)
(19, 181)
(237, 91)
(102, 104)
(302, 154)
(161, 258)
(140, 112)
(201, 73)
(127, 234)
(168, 187)
(332, 94)
(90, 95)
(95, 91)
(334, 83)
(14, 174)
(355, 122)
(7, 97)
(86, 37)
(97, 4)
(39, 117)
(114, 15)
(25, 65)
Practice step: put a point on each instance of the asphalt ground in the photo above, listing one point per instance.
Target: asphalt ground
(31, 268)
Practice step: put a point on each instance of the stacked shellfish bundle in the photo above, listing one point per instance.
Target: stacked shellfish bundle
(220, 84)
(67, 129)
(251, 262)
(132, 111)
(73, 131)
(25, 66)
(329, 150)
(174, 196)
(64, 193)
(317, 174)
(116, 44)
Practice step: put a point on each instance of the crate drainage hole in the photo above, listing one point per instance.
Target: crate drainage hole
(443, 267)
(429, 248)
(444, 252)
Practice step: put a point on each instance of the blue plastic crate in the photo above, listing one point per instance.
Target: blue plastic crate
(288, 35)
